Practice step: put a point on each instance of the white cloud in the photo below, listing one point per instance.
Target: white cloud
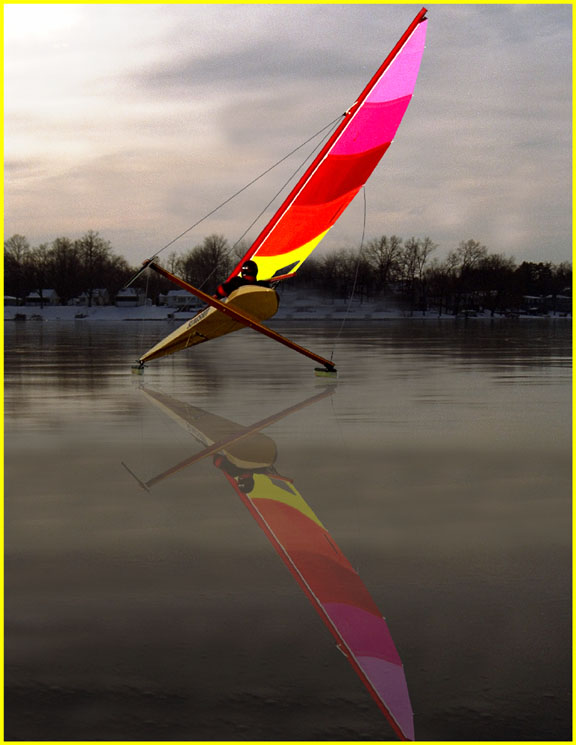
(156, 113)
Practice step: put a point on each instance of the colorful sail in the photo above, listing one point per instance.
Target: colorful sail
(334, 589)
(246, 458)
(344, 164)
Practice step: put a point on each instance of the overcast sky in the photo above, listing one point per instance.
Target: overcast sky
(137, 120)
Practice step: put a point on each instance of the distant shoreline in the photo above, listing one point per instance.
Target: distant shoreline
(336, 312)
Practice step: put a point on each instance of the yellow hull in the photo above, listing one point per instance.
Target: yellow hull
(249, 451)
(258, 302)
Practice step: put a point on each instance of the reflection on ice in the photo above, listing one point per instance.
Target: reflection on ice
(247, 460)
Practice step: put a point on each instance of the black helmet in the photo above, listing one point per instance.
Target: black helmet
(246, 483)
(250, 268)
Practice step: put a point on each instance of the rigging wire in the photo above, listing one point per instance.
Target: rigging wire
(330, 127)
(293, 176)
(146, 296)
(342, 436)
(281, 189)
(209, 214)
(317, 147)
(355, 276)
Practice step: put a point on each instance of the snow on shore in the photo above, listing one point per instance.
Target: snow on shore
(80, 313)
(292, 312)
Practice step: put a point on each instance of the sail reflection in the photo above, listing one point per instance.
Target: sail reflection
(247, 460)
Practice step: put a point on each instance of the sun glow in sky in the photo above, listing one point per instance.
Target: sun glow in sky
(136, 120)
(25, 22)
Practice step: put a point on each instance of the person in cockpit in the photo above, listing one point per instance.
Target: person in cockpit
(248, 275)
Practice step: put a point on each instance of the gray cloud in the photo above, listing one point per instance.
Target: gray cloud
(202, 98)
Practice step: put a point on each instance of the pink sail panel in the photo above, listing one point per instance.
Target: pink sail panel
(373, 126)
(400, 78)
(245, 457)
(344, 164)
(335, 590)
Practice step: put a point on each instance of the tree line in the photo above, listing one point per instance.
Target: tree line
(69, 267)
(470, 278)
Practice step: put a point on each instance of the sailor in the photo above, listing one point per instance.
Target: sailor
(244, 477)
(248, 272)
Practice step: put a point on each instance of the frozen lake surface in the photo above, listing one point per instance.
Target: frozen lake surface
(440, 464)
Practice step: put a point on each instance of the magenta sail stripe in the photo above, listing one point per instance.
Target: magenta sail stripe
(368, 639)
(399, 79)
(388, 92)
(390, 684)
(363, 632)
(374, 125)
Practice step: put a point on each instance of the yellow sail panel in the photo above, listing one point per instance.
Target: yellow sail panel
(268, 265)
(279, 490)
(346, 161)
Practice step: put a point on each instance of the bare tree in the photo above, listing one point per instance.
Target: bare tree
(468, 255)
(38, 269)
(383, 255)
(65, 266)
(239, 250)
(413, 262)
(94, 253)
(207, 264)
(16, 250)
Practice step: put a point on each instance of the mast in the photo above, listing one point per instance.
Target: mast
(318, 160)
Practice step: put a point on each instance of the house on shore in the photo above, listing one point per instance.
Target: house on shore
(41, 298)
(179, 299)
(130, 297)
(94, 298)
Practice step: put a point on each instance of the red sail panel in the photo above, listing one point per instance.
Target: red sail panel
(334, 589)
(341, 174)
(302, 224)
(305, 546)
(343, 165)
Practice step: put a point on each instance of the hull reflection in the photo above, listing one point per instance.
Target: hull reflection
(246, 458)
